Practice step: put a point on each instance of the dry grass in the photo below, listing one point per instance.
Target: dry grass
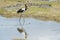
(34, 12)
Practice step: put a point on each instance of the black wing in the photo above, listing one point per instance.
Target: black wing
(20, 11)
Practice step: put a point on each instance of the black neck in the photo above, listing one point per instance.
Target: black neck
(25, 7)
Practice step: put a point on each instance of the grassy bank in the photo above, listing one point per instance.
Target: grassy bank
(52, 13)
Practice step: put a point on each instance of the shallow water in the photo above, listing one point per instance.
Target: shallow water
(37, 29)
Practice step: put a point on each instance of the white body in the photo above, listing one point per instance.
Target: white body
(23, 9)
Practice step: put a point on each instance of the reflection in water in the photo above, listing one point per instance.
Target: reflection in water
(37, 30)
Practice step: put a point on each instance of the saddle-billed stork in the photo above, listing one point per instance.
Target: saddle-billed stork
(21, 10)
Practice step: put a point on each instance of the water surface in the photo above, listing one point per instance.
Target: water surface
(37, 29)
